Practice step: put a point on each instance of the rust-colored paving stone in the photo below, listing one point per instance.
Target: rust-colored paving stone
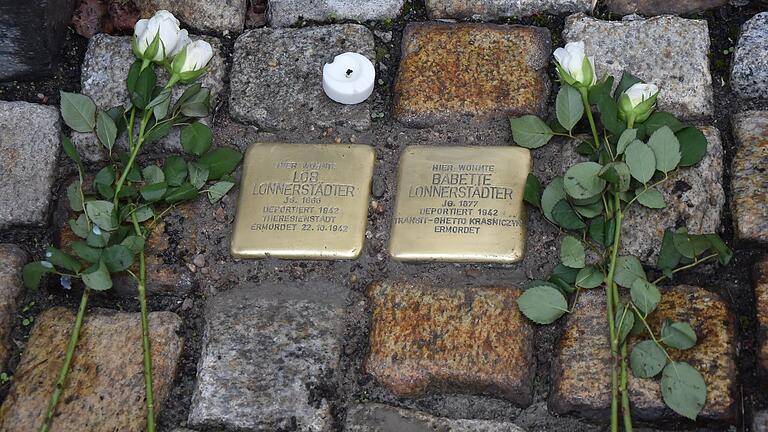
(749, 184)
(761, 294)
(474, 340)
(449, 71)
(105, 388)
(12, 259)
(580, 372)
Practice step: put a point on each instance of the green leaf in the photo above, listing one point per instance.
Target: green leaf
(683, 389)
(33, 273)
(589, 211)
(553, 193)
(102, 213)
(628, 269)
(144, 213)
(641, 161)
(601, 97)
(117, 258)
(88, 253)
(532, 191)
(198, 174)
(565, 273)
(61, 259)
(175, 170)
(106, 130)
(660, 119)
(645, 295)
(530, 131)
(182, 193)
(665, 148)
(582, 181)
(669, 256)
(74, 197)
(218, 190)
(568, 106)
(98, 241)
(572, 253)
(624, 321)
(196, 138)
(650, 198)
(564, 216)
(71, 151)
(700, 244)
(134, 243)
(97, 277)
(154, 192)
(723, 251)
(625, 139)
(80, 226)
(105, 176)
(617, 174)
(542, 304)
(188, 93)
(142, 88)
(678, 334)
(683, 244)
(153, 174)
(589, 277)
(198, 105)
(647, 359)
(693, 146)
(160, 104)
(602, 231)
(220, 162)
(157, 132)
(78, 111)
(562, 285)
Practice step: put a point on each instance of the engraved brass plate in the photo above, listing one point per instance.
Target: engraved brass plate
(305, 201)
(460, 204)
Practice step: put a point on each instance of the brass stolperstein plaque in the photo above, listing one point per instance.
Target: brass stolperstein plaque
(460, 204)
(307, 201)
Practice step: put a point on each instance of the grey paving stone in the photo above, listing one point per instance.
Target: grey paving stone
(12, 260)
(749, 75)
(668, 51)
(284, 13)
(268, 351)
(581, 369)
(104, 71)
(661, 7)
(276, 78)
(105, 387)
(208, 15)
(694, 195)
(749, 202)
(495, 9)
(383, 418)
(29, 150)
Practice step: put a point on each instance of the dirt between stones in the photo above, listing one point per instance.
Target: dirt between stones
(734, 283)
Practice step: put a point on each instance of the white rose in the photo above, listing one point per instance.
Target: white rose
(164, 24)
(183, 41)
(572, 67)
(637, 103)
(640, 92)
(191, 61)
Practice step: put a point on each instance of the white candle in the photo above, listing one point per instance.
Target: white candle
(349, 79)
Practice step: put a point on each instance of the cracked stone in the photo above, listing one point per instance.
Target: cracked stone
(451, 72)
(269, 355)
(12, 260)
(105, 68)
(383, 418)
(749, 75)
(495, 9)
(668, 51)
(662, 7)
(285, 13)
(471, 340)
(750, 174)
(276, 77)
(109, 352)
(209, 15)
(580, 371)
(29, 149)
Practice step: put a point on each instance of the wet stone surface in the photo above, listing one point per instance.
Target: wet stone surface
(108, 353)
(29, 149)
(209, 15)
(761, 295)
(105, 67)
(276, 77)
(584, 351)
(467, 340)
(454, 72)
(384, 418)
(750, 176)
(12, 259)
(749, 75)
(268, 357)
(668, 51)
(284, 13)
(661, 7)
(495, 9)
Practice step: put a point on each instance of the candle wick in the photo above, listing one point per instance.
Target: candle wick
(349, 72)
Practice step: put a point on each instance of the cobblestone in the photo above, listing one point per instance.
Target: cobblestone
(495, 9)
(12, 259)
(383, 418)
(761, 295)
(749, 75)
(209, 15)
(749, 201)
(656, 7)
(285, 13)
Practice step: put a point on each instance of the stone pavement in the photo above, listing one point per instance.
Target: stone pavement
(374, 345)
